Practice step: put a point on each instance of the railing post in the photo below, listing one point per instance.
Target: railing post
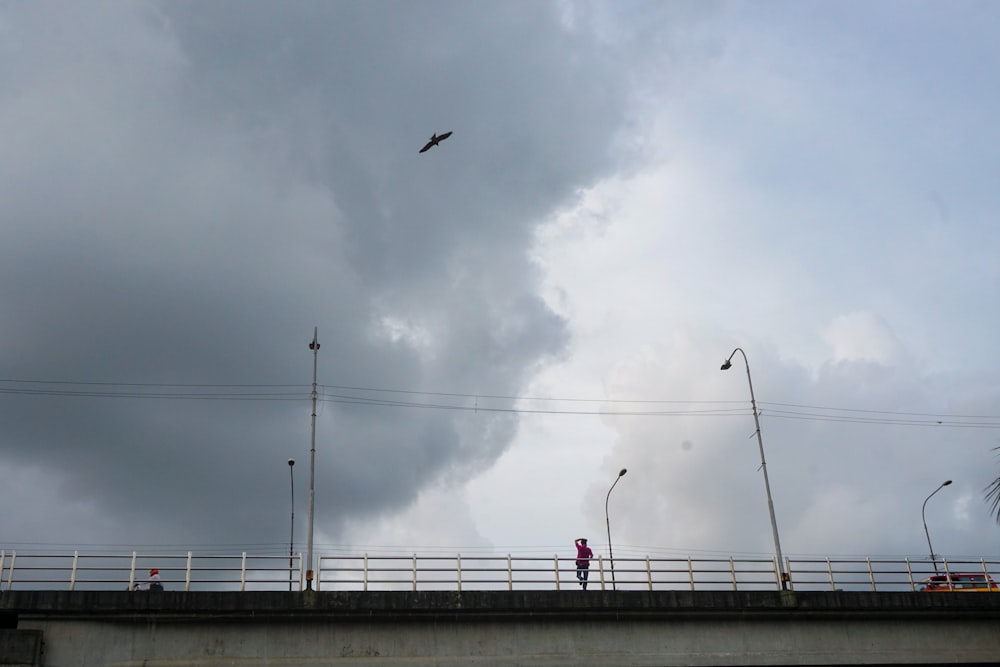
(243, 572)
(947, 572)
(414, 572)
(555, 564)
(458, 565)
(909, 575)
(187, 574)
(600, 566)
(732, 572)
(649, 573)
(690, 573)
(131, 574)
(3, 558)
(829, 571)
(364, 575)
(871, 574)
(72, 573)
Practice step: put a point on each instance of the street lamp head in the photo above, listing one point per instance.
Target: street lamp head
(946, 482)
(291, 462)
(726, 365)
(623, 471)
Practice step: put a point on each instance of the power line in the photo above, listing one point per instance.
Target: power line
(888, 422)
(149, 390)
(218, 396)
(878, 412)
(142, 384)
(512, 397)
(486, 403)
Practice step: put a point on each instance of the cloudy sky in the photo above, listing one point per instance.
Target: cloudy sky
(632, 191)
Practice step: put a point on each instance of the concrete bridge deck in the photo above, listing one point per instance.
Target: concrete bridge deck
(498, 628)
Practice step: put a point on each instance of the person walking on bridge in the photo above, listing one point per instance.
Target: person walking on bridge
(583, 556)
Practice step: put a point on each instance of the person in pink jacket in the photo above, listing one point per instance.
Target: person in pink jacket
(583, 556)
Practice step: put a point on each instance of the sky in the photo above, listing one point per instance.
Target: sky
(632, 191)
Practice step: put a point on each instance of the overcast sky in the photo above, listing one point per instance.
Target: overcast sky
(632, 190)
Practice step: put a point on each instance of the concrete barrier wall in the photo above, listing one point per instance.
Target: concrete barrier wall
(20, 648)
(543, 629)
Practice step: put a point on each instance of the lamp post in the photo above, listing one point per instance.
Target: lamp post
(314, 346)
(291, 531)
(726, 365)
(607, 521)
(924, 517)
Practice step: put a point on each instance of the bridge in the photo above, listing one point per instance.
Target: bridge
(716, 613)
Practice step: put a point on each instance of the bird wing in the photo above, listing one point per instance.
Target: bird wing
(435, 140)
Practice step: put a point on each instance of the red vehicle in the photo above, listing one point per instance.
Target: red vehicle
(959, 583)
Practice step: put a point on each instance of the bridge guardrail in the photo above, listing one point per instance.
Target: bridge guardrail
(414, 572)
(187, 571)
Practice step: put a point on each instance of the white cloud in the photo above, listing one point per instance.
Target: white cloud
(777, 213)
(862, 336)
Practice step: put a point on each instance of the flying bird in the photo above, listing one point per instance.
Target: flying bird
(435, 140)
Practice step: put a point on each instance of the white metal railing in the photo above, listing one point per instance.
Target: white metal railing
(414, 572)
(185, 572)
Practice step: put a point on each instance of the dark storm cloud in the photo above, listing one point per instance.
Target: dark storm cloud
(190, 188)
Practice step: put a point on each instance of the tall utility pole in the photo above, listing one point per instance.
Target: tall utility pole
(607, 521)
(726, 365)
(314, 346)
(923, 515)
(291, 530)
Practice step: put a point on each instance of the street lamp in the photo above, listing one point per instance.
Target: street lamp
(291, 532)
(314, 346)
(607, 521)
(924, 517)
(726, 365)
